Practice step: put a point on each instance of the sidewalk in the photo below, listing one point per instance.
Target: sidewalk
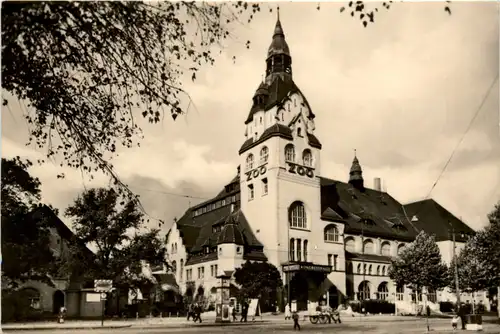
(72, 324)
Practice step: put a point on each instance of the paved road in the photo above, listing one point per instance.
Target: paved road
(362, 326)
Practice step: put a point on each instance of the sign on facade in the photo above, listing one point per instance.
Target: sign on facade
(307, 267)
(103, 285)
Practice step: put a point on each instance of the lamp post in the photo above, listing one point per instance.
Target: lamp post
(457, 287)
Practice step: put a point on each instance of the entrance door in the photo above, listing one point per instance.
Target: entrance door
(333, 297)
(57, 301)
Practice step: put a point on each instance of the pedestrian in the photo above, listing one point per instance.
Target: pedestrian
(244, 312)
(287, 312)
(233, 313)
(428, 310)
(461, 314)
(190, 311)
(198, 312)
(454, 322)
(295, 317)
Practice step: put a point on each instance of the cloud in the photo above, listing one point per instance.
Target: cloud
(402, 92)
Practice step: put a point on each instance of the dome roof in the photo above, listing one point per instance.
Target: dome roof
(356, 167)
(230, 234)
(262, 90)
(278, 45)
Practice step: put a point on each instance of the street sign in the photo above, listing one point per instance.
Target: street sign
(103, 295)
(103, 285)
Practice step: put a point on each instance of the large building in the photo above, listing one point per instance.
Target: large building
(330, 239)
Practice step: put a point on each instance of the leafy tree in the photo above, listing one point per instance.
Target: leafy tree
(258, 280)
(366, 12)
(25, 240)
(479, 261)
(105, 219)
(419, 265)
(83, 67)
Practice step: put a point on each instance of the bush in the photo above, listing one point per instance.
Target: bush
(373, 306)
(16, 307)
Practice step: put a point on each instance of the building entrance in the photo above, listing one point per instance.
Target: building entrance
(304, 280)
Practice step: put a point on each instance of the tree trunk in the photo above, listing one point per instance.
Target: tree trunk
(498, 300)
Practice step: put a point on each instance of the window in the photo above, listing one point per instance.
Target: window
(299, 132)
(201, 272)
(350, 245)
(299, 250)
(383, 291)
(307, 158)
(368, 247)
(181, 271)
(370, 270)
(250, 192)
(250, 161)
(264, 186)
(223, 202)
(330, 260)
(383, 271)
(359, 268)
(238, 250)
(33, 297)
(289, 153)
(378, 270)
(306, 244)
(331, 233)
(297, 215)
(292, 250)
(335, 261)
(216, 270)
(264, 155)
(189, 274)
(385, 249)
(174, 267)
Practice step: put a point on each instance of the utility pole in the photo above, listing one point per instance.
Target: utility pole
(457, 287)
(363, 261)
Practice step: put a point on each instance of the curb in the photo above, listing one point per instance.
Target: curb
(34, 328)
(202, 325)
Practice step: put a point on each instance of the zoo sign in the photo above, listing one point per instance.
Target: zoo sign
(103, 285)
(301, 170)
(255, 173)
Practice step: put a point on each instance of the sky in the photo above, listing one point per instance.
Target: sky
(402, 92)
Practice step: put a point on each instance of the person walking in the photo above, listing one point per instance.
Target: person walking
(197, 312)
(244, 312)
(295, 317)
(287, 312)
(233, 313)
(190, 312)
(461, 314)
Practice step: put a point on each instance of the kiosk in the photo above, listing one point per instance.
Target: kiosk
(222, 313)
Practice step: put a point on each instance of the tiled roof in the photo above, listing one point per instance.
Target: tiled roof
(277, 130)
(355, 207)
(279, 90)
(436, 220)
(230, 234)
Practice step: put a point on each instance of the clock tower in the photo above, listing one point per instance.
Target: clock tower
(280, 163)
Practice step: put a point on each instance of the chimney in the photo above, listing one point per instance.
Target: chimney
(377, 184)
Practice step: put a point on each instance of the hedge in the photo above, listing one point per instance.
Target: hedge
(373, 306)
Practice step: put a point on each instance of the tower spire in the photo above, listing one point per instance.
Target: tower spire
(356, 174)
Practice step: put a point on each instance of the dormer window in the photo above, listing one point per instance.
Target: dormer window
(264, 155)
(299, 131)
(307, 157)
(238, 250)
(207, 249)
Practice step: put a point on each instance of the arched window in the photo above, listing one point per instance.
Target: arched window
(331, 233)
(297, 215)
(368, 247)
(350, 245)
(378, 270)
(400, 248)
(174, 267)
(364, 290)
(250, 161)
(383, 270)
(181, 269)
(306, 244)
(264, 155)
(359, 268)
(299, 132)
(290, 153)
(385, 249)
(299, 250)
(383, 291)
(292, 249)
(364, 268)
(307, 157)
(370, 270)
